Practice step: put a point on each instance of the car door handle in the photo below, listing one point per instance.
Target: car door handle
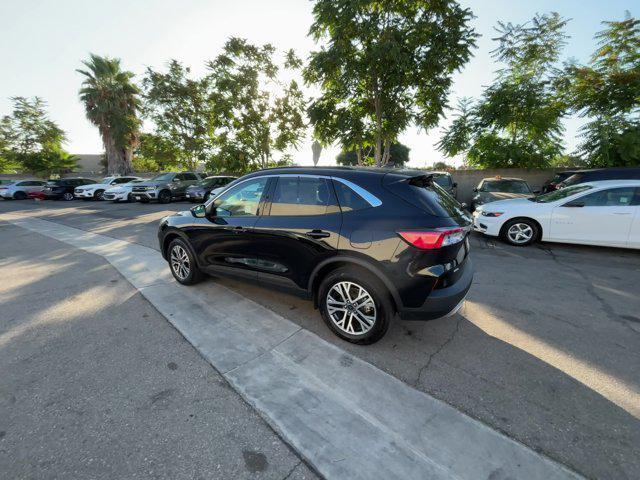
(317, 234)
(239, 229)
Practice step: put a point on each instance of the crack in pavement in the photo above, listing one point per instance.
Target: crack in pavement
(437, 351)
(604, 304)
(288, 475)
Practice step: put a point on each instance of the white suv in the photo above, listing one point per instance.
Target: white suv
(95, 190)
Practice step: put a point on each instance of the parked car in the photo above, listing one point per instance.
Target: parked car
(19, 189)
(595, 175)
(445, 180)
(555, 182)
(121, 192)
(499, 188)
(362, 243)
(165, 187)
(603, 213)
(6, 181)
(63, 188)
(96, 190)
(201, 190)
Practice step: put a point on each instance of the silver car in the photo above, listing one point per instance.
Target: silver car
(20, 189)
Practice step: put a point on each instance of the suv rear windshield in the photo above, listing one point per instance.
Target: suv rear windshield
(431, 198)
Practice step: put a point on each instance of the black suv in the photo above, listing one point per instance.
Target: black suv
(597, 174)
(362, 243)
(63, 188)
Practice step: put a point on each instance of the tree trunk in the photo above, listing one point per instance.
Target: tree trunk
(377, 155)
(387, 152)
(359, 155)
(119, 160)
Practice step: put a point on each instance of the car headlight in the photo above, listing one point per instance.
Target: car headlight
(491, 214)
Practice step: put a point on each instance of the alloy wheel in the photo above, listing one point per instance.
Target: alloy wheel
(520, 233)
(180, 263)
(68, 196)
(351, 308)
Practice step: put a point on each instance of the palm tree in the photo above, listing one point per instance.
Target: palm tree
(111, 102)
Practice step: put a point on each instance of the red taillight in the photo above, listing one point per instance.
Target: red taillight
(431, 239)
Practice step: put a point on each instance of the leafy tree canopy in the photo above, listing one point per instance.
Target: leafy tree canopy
(383, 66)
(607, 91)
(31, 141)
(254, 122)
(183, 117)
(517, 121)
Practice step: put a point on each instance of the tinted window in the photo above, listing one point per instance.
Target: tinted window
(613, 197)
(296, 196)
(505, 186)
(122, 180)
(443, 180)
(241, 200)
(348, 199)
(189, 176)
(163, 177)
(560, 194)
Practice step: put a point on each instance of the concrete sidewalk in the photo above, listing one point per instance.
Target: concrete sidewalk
(95, 383)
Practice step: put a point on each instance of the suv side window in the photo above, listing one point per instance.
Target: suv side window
(121, 180)
(189, 176)
(612, 197)
(348, 199)
(302, 196)
(241, 200)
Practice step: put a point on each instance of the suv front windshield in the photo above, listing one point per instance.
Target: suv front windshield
(163, 177)
(560, 194)
(505, 186)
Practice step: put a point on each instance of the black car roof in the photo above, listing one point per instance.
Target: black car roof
(340, 170)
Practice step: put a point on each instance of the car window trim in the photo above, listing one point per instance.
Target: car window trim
(369, 197)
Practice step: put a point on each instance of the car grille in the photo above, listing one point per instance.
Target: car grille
(142, 189)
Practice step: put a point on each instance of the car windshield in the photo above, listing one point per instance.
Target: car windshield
(505, 186)
(560, 194)
(163, 177)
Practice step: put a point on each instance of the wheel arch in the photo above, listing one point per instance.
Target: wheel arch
(522, 217)
(327, 266)
(168, 237)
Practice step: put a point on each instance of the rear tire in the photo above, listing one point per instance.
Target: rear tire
(355, 305)
(164, 196)
(129, 199)
(67, 196)
(97, 195)
(182, 263)
(20, 195)
(520, 232)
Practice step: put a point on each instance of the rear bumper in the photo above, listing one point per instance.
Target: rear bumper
(444, 301)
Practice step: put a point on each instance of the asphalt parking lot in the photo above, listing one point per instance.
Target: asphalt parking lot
(545, 351)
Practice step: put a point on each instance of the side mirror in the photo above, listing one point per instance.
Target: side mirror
(175, 179)
(475, 189)
(199, 211)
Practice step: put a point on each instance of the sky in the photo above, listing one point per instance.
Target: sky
(44, 41)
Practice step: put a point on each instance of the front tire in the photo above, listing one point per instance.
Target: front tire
(182, 263)
(98, 194)
(20, 195)
(164, 196)
(67, 196)
(355, 305)
(520, 232)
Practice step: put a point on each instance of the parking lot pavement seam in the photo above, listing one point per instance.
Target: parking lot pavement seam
(314, 393)
(442, 346)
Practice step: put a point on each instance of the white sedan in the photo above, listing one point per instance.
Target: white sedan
(94, 191)
(605, 213)
(121, 192)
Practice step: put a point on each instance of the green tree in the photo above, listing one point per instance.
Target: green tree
(607, 91)
(31, 141)
(111, 102)
(154, 154)
(398, 156)
(384, 65)
(183, 116)
(254, 123)
(517, 121)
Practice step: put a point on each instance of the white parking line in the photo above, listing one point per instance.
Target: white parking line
(346, 417)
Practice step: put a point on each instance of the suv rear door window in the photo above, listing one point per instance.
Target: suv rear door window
(189, 176)
(301, 196)
(348, 199)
